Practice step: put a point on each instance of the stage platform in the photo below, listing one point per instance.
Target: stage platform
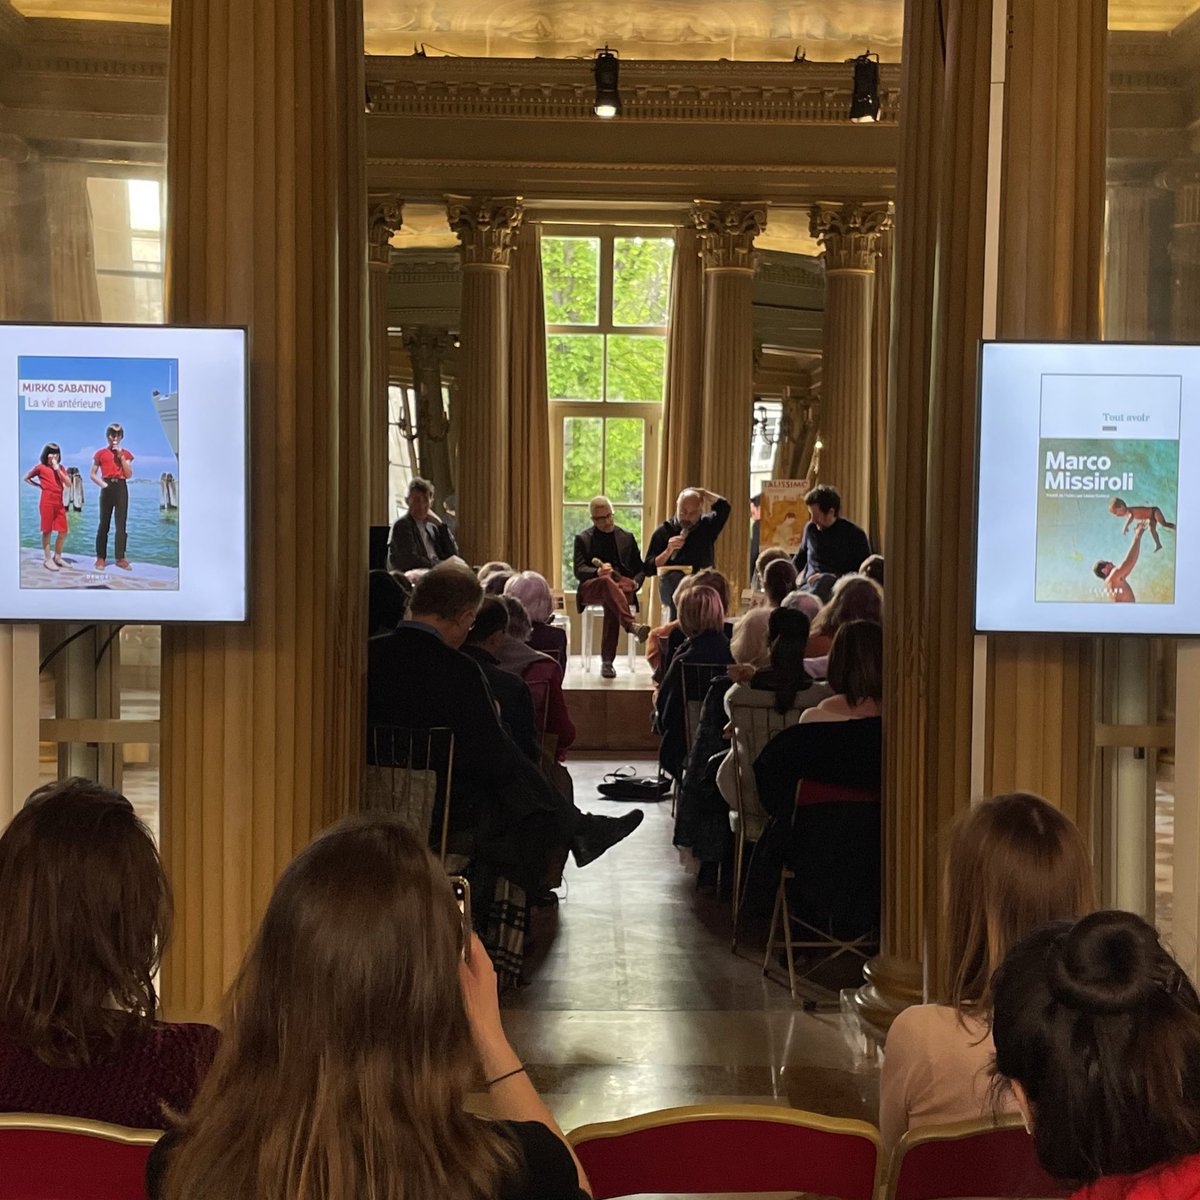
(611, 715)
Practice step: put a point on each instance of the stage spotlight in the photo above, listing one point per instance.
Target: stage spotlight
(864, 108)
(608, 72)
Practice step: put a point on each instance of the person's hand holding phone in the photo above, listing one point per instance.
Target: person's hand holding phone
(482, 1001)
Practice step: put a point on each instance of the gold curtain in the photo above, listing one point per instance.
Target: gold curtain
(530, 524)
(76, 295)
(881, 340)
(679, 454)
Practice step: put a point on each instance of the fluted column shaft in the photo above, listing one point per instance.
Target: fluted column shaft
(849, 235)
(385, 216)
(1041, 709)
(262, 723)
(727, 233)
(426, 348)
(485, 228)
(1184, 181)
(1127, 242)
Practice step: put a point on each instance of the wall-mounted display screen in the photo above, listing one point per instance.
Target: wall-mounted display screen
(128, 473)
(1088, 506)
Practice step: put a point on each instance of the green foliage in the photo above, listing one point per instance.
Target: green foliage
(641, 280)
(575, 366)
(583, 470)
(637, 367)
(571, 280)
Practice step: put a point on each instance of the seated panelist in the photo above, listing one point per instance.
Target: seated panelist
(685, 542)
(420, 540)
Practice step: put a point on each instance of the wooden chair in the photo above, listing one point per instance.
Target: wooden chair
(409, 771)
(70, 1158)
(731, 1149)
(991, 1157)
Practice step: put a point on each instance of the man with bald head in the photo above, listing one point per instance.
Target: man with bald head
(685, 540)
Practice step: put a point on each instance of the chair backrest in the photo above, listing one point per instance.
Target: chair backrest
(730, 1149)
(70, 1158)
(696, 679)
(410, 772)
(969, 1158)
(754, 725)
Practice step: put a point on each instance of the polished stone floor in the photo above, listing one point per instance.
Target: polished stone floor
(636, 1001)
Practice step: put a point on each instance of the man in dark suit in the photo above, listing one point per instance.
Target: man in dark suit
(609, 568)
(503, 811)
(419, 539)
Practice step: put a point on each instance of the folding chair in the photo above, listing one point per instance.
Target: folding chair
(409, 772)
(695, 678)
(730, 1149)
(810, 792)
(991, 1157)
(70, 1158)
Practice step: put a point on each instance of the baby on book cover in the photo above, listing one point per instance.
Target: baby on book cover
(1108, 487)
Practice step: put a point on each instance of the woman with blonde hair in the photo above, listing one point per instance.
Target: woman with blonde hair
(362, 1015)
(1014, 863)
(854, 598)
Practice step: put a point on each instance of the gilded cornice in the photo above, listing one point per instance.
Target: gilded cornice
(850, 234)
(485, 227)
(727, 233)
(774, 269)
(792, 93)
(408, 268)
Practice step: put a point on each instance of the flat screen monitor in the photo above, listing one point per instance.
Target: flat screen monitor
(129, 474)
(1088, 501)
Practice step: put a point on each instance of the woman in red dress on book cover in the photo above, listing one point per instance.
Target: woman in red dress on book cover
(51, 477)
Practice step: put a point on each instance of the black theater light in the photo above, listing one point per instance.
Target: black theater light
(608, 74)
(864, 108)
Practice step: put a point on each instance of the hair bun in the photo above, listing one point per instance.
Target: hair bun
(1110, 963)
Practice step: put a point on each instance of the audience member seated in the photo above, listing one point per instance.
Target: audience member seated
(786, 688)
(1014, 862)
(750, 640)
(496, 582)
(87, 914)
(363, 1014)
(541, 675)
(1097, 1032)
(854, 598)
(503, 810)
(701, 818)
(830, 543)
(820, 586)
(511, 693)
(387, 599)
(763, 561)
(855, 674)
(420, 539)
(671, 635)
(872, 568)
(702, 620)
(492, 568)
(534, 593)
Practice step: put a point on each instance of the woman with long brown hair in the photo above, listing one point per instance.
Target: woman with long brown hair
(87, 913)
(1014, 863)
(353, 1033)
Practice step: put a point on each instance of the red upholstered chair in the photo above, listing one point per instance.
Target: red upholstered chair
(69, 1158)
(969, 1158)
(730, 1149)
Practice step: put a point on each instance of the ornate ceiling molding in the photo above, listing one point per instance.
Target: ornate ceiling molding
(485, 226)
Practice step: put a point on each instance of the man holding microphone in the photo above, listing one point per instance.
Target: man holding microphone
(686, 540)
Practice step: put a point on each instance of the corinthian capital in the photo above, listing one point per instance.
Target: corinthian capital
(727, 232)
(385, 215)
(850, 233)
(485, 226)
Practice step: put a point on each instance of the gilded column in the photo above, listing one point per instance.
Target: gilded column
(727, 233)
(426, 349)
(485, 228)
(1127, 243)
(850, 236)
(262, 722)
(384, 218)
(1184, 181)
(881, 355)
(1041, 711)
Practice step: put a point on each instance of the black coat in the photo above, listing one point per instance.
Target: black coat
(629, 559)
(515, 700)
(709, 647)
(698, 551)
(406, 547)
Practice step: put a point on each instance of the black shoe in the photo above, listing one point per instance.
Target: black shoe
(546, 899)
(608, 671)
(640, 632)
(597, 834)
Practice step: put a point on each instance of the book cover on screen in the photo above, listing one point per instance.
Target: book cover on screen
(99, 485)
(1108, 488)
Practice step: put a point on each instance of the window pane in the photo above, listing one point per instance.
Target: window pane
(582, 461)
(145, 212)
(631, 519)
(575, 366)
(571, 280)
(576, 518)
(636, 367)
(623, 458)
(641, 280)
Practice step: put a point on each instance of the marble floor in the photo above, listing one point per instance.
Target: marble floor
(636, 1001)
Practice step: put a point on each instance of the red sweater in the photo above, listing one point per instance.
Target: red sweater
(1177, 1180)
(165, 1065)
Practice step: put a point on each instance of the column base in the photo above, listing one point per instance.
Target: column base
(892, 985)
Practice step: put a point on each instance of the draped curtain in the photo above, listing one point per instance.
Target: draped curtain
(530, 499)
(881, 340)
(679, 454)
(73, 286)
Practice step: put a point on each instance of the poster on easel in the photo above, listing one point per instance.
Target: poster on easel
(783, 514)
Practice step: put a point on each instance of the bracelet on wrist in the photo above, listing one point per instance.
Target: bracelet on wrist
(491, 1083)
